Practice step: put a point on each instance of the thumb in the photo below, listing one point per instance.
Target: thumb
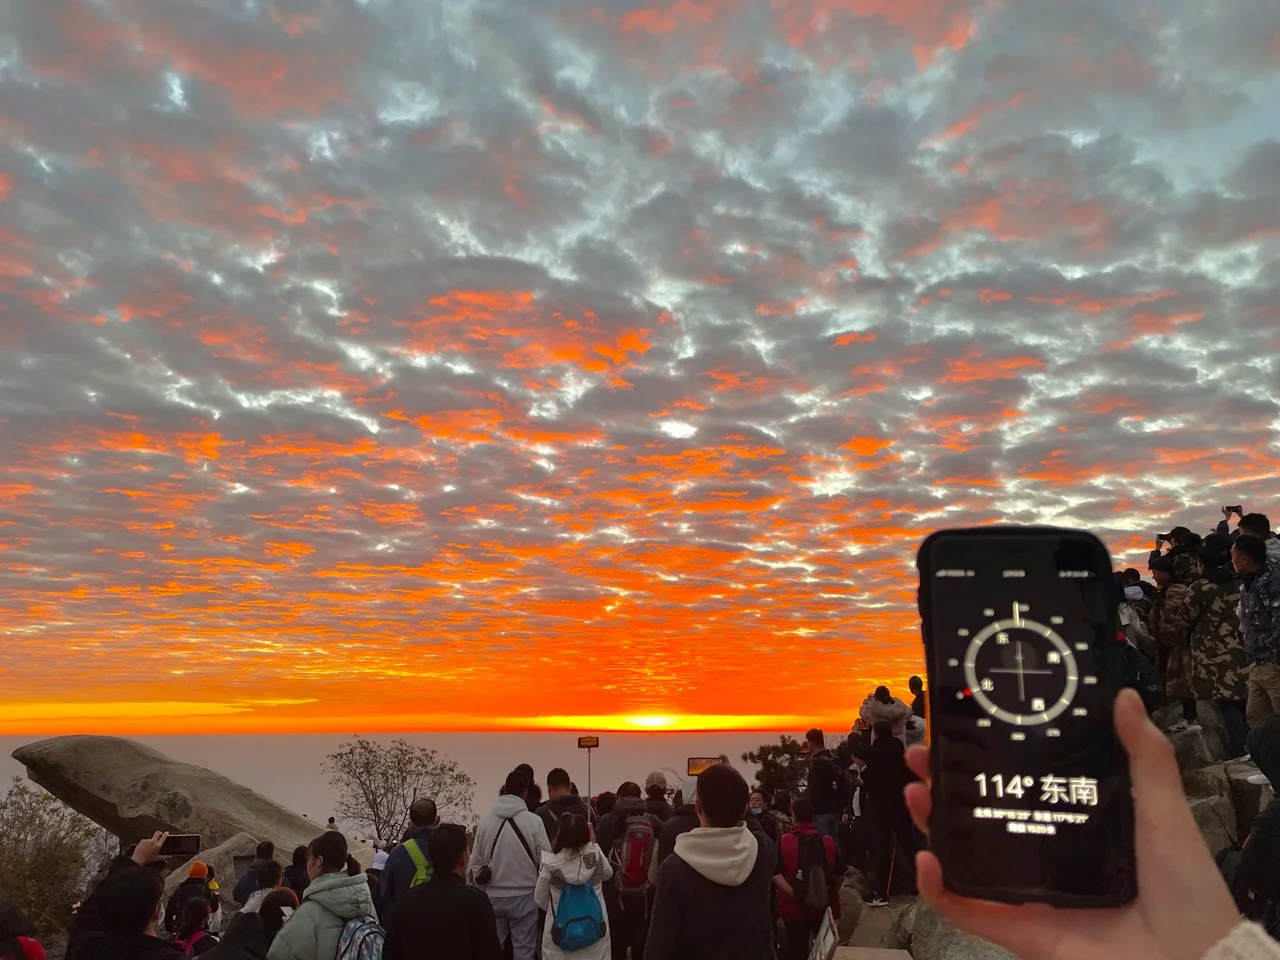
(1158, 798)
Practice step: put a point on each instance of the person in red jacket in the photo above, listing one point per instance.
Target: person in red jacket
(798, 859)
(14, 942)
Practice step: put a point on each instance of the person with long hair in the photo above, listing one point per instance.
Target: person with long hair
(575, 861)
(193, 934)
(276, 908)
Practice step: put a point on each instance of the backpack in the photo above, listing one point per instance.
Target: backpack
(362, 939)
(578, 921)
(188, 946)
(813, 888)
(422, 866)
(635, 856)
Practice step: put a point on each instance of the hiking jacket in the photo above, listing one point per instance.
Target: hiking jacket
(186, 890)
(315, 928)
(443, 919)
(1260, 614)
(399, 872)
(244, 939)
(557, 807)
(789, 867)
(515, 871)
(713, 898)
(589, 865)
(828, 784)
(1219, 665)
(248, 883)
(895, 713)
(683, 819)
(660, 808)
(612, 828)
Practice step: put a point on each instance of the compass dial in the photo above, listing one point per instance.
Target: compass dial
(1020, 671)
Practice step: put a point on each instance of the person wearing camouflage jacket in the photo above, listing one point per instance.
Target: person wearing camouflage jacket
(1219, 665)
(1169, 627)
(1259, 624)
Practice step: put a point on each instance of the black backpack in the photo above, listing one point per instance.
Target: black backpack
(812, 882)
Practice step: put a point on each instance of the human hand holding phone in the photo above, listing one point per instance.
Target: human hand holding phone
(1183, 906)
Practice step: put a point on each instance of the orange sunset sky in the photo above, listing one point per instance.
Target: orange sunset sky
(591, 364)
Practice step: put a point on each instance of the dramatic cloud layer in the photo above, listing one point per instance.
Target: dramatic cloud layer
(367, 363)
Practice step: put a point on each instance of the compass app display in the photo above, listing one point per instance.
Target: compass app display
(1030, 787)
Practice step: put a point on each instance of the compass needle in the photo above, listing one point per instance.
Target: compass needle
(1043, 662)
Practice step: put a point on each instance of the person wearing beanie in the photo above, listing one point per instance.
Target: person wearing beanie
(655, 796)
(195, 885)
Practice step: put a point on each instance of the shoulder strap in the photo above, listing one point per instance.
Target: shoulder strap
(415, 854)
(494, 846)
(523, 842)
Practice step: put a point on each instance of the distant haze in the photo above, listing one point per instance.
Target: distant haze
(287, 767)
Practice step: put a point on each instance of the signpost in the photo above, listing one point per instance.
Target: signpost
(588, 744)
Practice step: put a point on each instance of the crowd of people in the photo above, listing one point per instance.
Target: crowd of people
(1208, 629)
(709, 868)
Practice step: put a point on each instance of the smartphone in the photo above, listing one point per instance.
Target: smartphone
(181, 845)
(699, 765)
(1031, 794)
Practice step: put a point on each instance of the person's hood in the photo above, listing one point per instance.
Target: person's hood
(347, 897)
(1133, 593)
(724, 855)
(244, 934)
(509, 805)
(630, 806)
(576, 868)
(1264, 745)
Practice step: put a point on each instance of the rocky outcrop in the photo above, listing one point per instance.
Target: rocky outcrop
(918, 929)
(224, 859)
(133, 790)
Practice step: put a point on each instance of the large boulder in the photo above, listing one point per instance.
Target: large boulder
(227, 859)
(920, 930)
(1216, 818)
(133, 790)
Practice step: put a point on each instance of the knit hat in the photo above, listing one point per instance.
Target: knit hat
(656, 779)
(198, 871)
(380, 860)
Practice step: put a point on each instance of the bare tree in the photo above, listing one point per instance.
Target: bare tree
(376, 785)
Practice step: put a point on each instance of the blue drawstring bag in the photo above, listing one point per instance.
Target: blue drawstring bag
(577, 921)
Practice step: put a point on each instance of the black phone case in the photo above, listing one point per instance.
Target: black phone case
(924, 604)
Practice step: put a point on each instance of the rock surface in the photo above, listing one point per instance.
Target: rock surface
(928, 937)
(223, 860)
(133, 790)
(851, 908)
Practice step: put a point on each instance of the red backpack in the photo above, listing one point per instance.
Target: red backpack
(635, 856)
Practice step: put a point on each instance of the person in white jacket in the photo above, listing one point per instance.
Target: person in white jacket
(575, 859)
(881, 706)
(509, 845)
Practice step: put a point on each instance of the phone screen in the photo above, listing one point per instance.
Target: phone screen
(698, 765)
(181, 845)
(1031, 797)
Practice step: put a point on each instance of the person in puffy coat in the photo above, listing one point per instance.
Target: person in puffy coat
(331, 899)
(881, 706)
(575, 858)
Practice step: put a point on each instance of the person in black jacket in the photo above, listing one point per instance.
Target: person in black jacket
(713, 892)
(444, 919)
(828, 786)
(628, 919)
(655, 795)
(561, 800)
(86, 933)
(244, 940)
(918, 699)
(248, 884)
(295, 875)
(683, 819)
(890, 836)
(1256, 884)
(129, 905)
(400, 868)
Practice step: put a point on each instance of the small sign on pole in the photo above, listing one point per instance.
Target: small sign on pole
(588, 744)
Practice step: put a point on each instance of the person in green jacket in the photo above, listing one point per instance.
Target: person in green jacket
(331, 899)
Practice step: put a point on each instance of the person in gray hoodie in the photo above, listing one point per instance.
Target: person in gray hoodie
(713, 891)
(508, 849)
(332, 898)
